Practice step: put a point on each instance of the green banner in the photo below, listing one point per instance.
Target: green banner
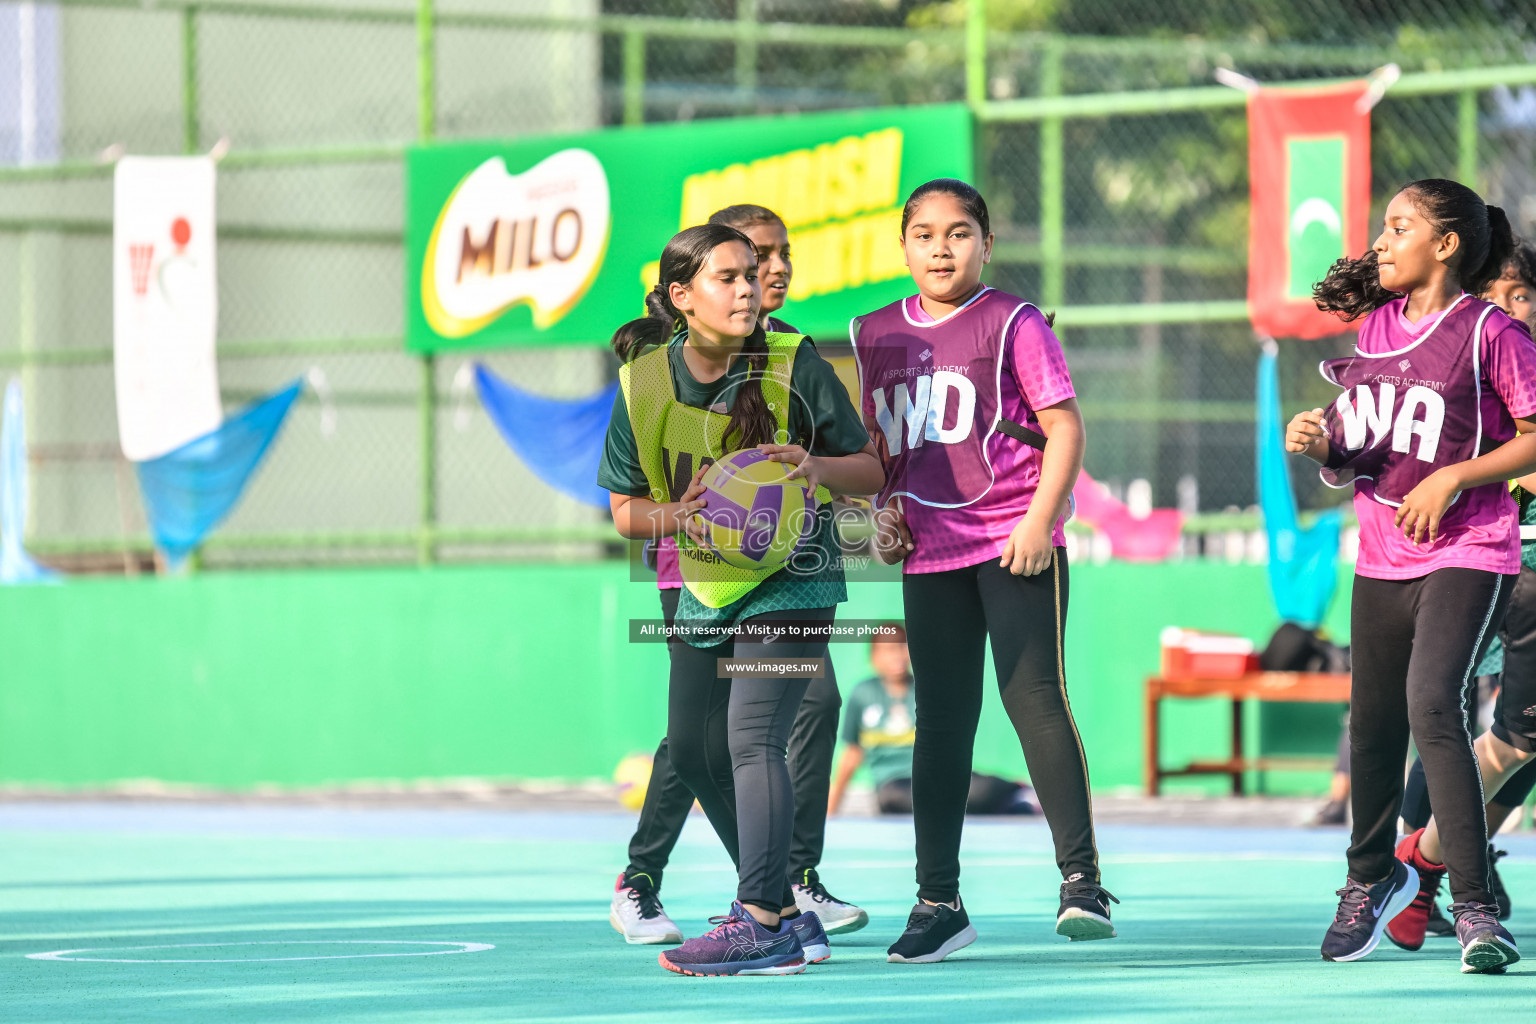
(554, 240)
(1315, 171)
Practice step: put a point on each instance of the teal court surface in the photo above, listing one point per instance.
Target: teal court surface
(229, 913)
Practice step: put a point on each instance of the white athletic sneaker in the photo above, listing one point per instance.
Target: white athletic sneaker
(836, 916)
(636, 914)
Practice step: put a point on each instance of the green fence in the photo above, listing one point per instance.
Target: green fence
(1116, 173)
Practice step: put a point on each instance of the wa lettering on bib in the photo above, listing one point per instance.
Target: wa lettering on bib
(932, 397)
(1404, 414)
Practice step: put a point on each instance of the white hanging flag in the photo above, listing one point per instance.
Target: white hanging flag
(164, 303)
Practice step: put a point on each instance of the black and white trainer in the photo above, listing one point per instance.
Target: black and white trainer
(1486, 945)
(1364, 911)
(1084, 912)
(837, 917)
(933, 932)
(636, 913)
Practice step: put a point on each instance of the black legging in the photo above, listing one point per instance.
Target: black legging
(1517, 787)
(950, 616)
(1517, 691)
(811, 742)
(1416, 810)
(1414, 646)
(727, 740)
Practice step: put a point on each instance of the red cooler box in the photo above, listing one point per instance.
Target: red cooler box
(1188, 654)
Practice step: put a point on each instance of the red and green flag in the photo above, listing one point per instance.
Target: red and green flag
(1309, 167)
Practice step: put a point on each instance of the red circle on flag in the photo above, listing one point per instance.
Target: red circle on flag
(181, 232)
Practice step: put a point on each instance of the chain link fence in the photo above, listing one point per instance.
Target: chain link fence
(1128, 218)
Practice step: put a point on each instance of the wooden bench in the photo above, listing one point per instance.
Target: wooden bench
(1306, 687)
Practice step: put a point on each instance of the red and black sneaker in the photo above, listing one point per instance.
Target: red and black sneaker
(1439, 925)
(1407, 929)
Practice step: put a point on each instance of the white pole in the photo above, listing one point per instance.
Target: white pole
(26, 45)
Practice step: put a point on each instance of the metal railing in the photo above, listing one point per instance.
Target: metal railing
(1023, 152)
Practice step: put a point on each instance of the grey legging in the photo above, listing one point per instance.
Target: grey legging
(728, 739)
(668, 800)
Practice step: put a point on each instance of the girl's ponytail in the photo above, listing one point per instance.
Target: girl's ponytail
(752, 423)
(1352, 288)
(1501, 246)
(655, 328)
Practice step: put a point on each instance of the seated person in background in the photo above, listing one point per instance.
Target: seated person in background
(879, 726)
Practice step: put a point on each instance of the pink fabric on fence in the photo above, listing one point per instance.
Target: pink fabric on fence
(1151, 539)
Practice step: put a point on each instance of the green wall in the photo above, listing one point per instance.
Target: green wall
(300, 679)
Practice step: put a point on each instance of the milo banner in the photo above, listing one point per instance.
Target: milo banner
(1309, 166)
(554, 240)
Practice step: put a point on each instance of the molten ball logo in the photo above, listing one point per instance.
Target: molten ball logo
(505, 239)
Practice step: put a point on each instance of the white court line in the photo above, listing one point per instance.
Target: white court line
(65, 954)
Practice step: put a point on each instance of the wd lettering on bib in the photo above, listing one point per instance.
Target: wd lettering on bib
(932, 400)
(918, 412)
(1404, 414)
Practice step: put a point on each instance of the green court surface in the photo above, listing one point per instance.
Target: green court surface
(1218, 924)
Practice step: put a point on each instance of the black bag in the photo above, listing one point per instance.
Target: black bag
(1294, 648)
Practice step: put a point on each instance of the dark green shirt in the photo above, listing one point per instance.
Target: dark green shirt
(822, 420)
(884, 727)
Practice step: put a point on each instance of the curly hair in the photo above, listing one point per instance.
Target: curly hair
(1521, 264)
(1353, 287)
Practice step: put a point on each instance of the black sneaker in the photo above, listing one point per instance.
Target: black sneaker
(1084, 912)
(1364, 911)
(932, 934)
(1495, 883)
(1438, 923)
(1486, 946)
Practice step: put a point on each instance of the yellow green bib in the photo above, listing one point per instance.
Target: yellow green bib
(673, 440)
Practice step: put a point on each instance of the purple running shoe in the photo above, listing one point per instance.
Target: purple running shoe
(1486, 946)
(738, 945)
(813, 937)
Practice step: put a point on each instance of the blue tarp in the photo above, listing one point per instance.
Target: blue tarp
(561, 440)
(1302, 562)
(189, 491)
(16, 566)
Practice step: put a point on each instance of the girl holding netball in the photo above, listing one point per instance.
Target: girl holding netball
(636, 909)
(960, 384)
(700, 378)
(1425, 431)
